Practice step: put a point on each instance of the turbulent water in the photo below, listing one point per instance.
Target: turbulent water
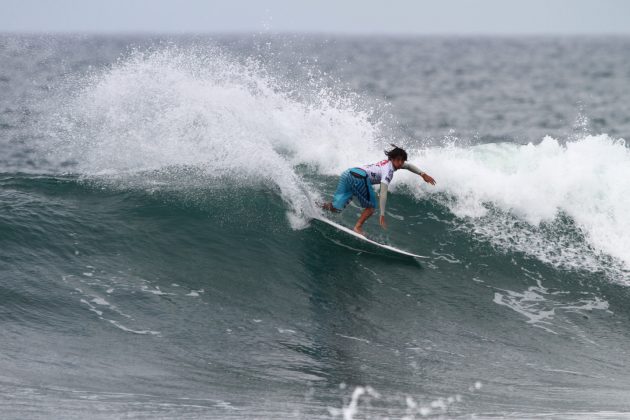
(158, 257)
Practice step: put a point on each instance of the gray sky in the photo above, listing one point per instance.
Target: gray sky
(338, 16)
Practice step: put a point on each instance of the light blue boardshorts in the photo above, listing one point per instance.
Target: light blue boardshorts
(354, 182)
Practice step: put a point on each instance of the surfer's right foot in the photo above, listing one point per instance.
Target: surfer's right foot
(359, 230)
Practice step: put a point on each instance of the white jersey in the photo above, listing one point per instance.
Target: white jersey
(381, 172)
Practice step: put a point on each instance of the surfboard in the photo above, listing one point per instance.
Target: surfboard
(368, 240)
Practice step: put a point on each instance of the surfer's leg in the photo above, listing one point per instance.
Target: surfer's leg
(362, 189)
(358, 228)
(343, 195)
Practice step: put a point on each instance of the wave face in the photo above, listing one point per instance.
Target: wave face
(159, 258)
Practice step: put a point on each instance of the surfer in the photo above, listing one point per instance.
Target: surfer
(358, 182)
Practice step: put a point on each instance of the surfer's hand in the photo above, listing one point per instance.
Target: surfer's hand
(382, 222)
(428, 178)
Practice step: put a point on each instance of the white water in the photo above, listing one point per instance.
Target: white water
(202, 109)
(531, 186)
(231, 121)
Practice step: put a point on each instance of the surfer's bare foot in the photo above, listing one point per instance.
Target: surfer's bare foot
(329, 207)
(359, 230)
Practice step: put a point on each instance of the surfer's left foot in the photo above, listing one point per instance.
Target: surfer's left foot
(329, 207)
(359, 230)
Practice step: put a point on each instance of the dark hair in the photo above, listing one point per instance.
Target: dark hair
(396, 152)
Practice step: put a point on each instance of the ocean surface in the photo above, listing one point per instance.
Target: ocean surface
(158, 257)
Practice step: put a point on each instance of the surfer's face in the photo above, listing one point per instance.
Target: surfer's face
(398, 162)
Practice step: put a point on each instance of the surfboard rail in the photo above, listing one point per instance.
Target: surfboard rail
(366, 239)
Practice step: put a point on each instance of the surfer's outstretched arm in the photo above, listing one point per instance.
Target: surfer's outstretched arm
(413, 168)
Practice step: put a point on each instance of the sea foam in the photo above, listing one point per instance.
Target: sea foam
(564, 203)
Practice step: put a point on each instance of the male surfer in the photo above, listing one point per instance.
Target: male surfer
(358, 182)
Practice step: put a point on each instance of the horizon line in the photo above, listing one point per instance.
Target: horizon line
(312, 33)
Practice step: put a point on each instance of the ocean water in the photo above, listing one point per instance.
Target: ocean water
(158, 257)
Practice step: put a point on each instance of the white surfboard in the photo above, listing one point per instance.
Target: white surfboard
(363, 238)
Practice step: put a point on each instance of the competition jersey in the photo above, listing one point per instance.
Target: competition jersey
(381, 172)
